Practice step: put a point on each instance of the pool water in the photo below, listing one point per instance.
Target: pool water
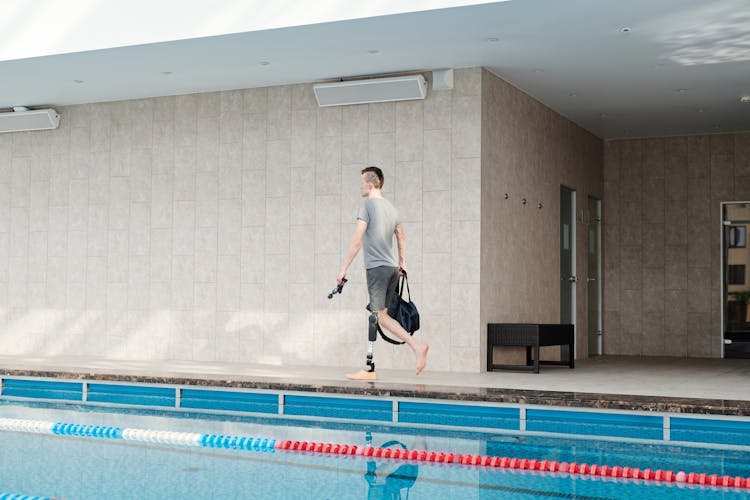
(88, 468)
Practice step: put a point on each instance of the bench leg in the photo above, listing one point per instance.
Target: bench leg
(528, 355)
(571, 356)
(536, 358)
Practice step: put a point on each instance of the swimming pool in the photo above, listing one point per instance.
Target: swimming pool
(62, 465)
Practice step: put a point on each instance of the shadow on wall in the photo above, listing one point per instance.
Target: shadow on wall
(249, 336)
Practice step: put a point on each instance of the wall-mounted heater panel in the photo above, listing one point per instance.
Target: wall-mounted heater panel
(400, 88)
(32, 119)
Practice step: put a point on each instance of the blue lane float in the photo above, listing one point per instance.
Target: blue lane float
(16, 496)
(96, 431)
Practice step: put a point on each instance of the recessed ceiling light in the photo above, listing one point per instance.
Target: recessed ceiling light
(264, 63)
(78, 81)
(538, 70)
(492, 39)
(602, 115)
(373, 52)
(700, 110)
(625, 29)
(681, 91)
(573, 94)
(745, 99)
(717, 127)
(166, 73)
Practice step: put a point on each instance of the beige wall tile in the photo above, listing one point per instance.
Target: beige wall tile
(675, 222)
(722, 176)
(466, 126)
(675, 267)
(437, 160)
(742, 155)
(611, 204)
(437, 110)
(631, 265)
(653, 200)
(699, 335)
(632, 226)
(409, 131)
(436, 206)
(653, 246)
(653, 158)
(698, 157)
(699, 243)
(654, 342)
(382, 118)
(699, 289)
(653, 291)
(612, 153)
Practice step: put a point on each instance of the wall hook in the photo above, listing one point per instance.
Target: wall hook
(539, 205)
(507, 196)
(523, 200)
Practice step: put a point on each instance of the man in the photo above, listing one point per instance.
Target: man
(377, 222)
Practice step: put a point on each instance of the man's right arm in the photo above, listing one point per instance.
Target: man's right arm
(354, 247)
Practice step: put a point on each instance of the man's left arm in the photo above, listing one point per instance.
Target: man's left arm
(401, 242)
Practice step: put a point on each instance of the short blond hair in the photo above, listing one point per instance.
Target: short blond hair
(374, 176)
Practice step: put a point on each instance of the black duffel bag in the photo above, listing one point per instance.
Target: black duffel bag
(404, 311)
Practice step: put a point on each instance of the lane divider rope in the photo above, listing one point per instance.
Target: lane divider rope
(141, 435)
(272, 445)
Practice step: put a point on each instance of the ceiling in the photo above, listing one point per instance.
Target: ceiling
(639, 68)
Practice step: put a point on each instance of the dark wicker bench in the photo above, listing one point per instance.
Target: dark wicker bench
(531, 336)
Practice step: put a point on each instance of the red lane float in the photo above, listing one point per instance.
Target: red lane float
(661, 476)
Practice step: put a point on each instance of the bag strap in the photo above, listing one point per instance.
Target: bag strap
(400, 285)
(390, 340)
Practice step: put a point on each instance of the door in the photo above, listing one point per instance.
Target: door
(567, 259)
(736, 282)
(594, 280)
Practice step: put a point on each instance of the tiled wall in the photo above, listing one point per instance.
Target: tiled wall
(212, 226)
(662, 241)
(529, 151)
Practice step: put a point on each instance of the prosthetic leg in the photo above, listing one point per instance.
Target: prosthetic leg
(372, 335)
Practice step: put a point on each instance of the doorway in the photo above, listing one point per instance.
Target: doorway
(567, 261)
(594, 279)
(736, 281)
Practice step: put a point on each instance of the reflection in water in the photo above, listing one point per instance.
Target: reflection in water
(391, 479)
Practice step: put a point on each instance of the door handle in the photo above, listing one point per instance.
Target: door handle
(572, 279)
(591, 279)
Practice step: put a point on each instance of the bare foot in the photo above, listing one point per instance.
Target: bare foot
(362, 375)
(421, 354)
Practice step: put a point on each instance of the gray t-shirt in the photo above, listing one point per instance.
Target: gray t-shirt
(382, 218)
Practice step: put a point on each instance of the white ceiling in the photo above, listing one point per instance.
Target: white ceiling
(680, 69)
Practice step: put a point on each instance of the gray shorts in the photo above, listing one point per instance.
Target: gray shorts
(381, 285)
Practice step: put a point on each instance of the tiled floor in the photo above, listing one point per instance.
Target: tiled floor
(727, 379)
